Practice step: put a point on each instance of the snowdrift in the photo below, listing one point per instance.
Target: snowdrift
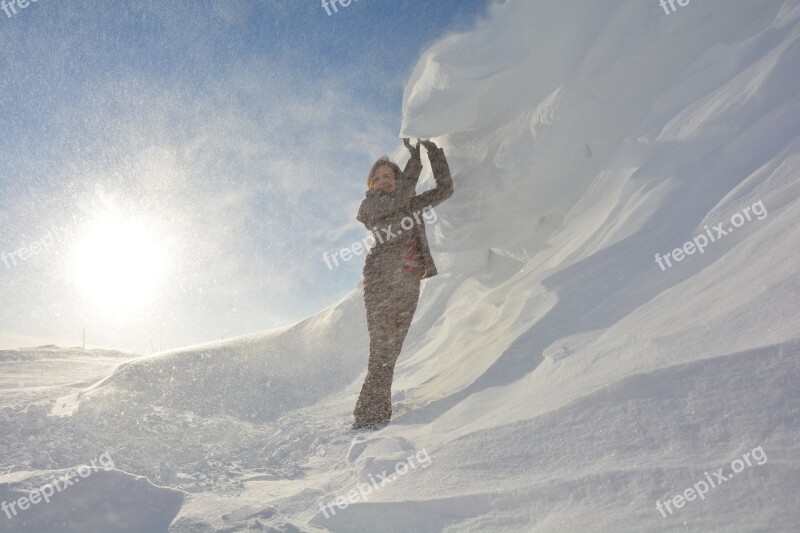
(256, 377)
(560, 377)
(104, 500)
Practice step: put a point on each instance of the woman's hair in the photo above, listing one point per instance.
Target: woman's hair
(383, 161)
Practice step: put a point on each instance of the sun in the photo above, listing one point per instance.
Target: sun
(119, 263)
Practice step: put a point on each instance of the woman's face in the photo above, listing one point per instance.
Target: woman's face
(384, 179)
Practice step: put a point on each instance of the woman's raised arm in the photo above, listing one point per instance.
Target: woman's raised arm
(441, 174)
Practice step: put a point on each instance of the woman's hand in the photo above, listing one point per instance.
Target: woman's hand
(413, 149)
(430, 146)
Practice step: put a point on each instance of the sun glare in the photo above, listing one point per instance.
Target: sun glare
(118, 264)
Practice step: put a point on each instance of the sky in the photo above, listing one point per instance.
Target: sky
(172, 173)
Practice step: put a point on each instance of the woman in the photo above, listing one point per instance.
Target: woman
(394, 267)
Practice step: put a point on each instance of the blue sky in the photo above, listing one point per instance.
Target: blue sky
(172, 172)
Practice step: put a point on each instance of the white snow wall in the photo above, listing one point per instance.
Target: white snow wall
(538, 103)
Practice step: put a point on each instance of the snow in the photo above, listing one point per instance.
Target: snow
(90, 501)
(559, 379)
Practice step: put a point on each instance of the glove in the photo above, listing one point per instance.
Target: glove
(413, 149)
(430, 146)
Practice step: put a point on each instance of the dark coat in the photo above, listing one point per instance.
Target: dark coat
(382, 213)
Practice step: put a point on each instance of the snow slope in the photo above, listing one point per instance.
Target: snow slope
(89, 501)
(558, 378)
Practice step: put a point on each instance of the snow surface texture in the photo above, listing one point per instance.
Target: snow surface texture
(558, 378)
